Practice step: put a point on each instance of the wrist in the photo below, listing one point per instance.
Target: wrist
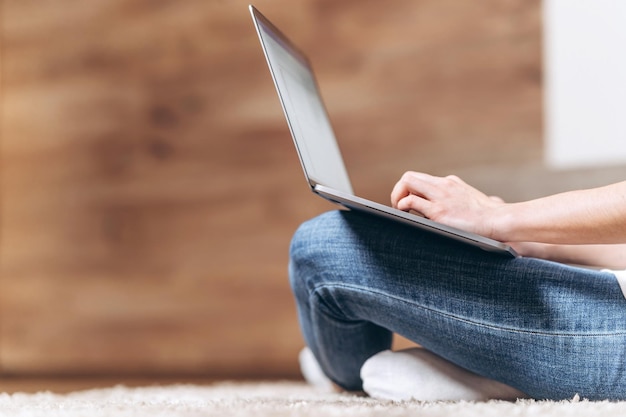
(504, 221)
(535, 250)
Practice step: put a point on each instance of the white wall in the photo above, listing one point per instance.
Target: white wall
(585, 82)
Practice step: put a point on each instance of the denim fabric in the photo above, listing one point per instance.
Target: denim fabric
(547, 329)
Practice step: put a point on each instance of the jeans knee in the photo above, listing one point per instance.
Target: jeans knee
(313, 249)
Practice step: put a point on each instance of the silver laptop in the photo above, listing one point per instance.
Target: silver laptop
(316, 144)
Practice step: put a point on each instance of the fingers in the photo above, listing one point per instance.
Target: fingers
(415, 189)
(416, 204)
(411, 183)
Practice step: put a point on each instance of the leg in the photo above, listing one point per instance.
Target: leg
(340, 344)
(547, 329)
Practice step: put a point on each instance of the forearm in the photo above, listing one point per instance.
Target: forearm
(596, 216)
(605, 256)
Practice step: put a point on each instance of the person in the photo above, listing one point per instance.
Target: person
(550, 324)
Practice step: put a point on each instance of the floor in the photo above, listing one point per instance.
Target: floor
(67, 384)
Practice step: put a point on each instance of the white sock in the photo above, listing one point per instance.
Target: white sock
(421, 375)
(312, 372)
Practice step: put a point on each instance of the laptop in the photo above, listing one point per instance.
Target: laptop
(315, 141)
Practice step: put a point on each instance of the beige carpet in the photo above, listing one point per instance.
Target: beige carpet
(271, 399)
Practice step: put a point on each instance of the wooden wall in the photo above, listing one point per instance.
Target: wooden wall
(149, 188)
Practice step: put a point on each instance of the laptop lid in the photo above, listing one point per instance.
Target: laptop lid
(305, 112)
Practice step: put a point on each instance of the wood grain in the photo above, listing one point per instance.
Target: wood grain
(149, 185)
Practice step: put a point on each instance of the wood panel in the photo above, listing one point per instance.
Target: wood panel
(149, 185)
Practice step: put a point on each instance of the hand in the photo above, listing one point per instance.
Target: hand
(448, 200)
(592, 216)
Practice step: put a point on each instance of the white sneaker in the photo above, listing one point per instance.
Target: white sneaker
(312, 372)
(421, 375)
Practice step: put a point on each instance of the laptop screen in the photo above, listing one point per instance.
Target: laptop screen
(304, 109)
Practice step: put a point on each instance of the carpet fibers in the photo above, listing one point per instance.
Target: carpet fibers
(274, 399)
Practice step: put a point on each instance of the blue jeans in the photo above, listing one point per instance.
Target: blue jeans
(547, 329)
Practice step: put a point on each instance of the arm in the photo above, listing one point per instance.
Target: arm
(606, 256)
(587, 216)
(595, 216)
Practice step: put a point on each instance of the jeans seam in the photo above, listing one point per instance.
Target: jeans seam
(462, 319)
